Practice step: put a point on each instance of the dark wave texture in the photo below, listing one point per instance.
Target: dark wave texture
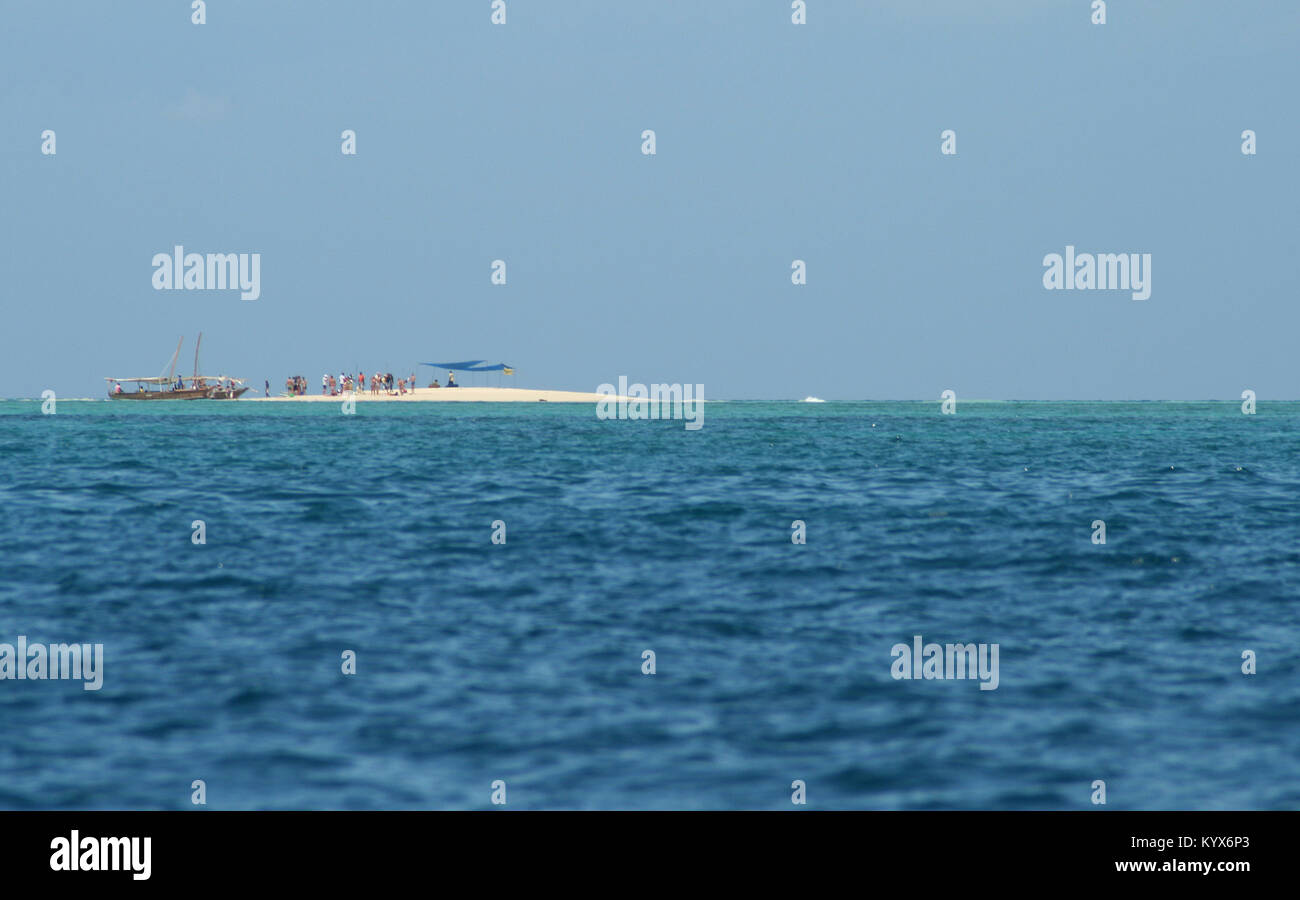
(521, 662)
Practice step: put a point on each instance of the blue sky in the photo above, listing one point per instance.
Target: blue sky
(774, 142)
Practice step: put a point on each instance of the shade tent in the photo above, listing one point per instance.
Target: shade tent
(472, 365)
(467, 365)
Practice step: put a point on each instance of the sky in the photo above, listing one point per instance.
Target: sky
(774, 142)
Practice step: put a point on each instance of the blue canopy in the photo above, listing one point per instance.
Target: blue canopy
(470, 366)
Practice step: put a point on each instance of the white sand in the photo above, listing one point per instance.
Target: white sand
(456, 394)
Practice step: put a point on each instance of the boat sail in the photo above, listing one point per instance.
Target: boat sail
(171, 387)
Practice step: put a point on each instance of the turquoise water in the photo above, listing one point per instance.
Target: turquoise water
(522, 661)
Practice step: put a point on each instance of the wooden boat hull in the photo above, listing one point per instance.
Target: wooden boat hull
(208, 393)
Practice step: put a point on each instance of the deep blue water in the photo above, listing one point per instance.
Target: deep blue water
(522, 662)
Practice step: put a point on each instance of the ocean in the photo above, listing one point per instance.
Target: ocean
(522, 661)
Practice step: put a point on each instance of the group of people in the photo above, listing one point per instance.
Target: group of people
(223, 384)
(379, 382)
(346, 383)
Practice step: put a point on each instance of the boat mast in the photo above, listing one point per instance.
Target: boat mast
(197, 344)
